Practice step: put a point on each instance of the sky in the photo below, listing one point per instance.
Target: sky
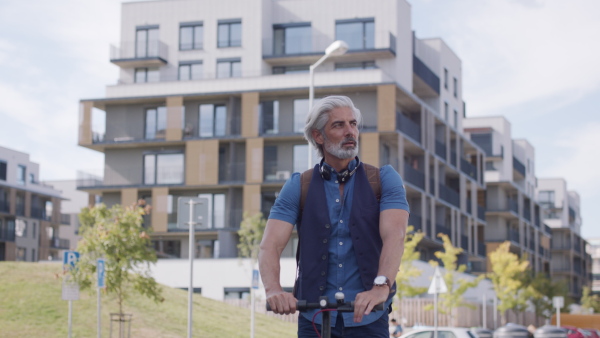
(533, 61)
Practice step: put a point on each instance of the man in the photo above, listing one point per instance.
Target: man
(395, 328)
(348, 240)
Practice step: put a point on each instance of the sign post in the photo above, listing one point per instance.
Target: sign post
(70, 290)
(558, 302)
(438, 285)
(253, 300)
(101, 274)
(199, 207)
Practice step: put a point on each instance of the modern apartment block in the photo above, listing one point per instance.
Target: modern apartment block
(29, 211)
(593, 249)
(212, 98)
(561, 207)
(512, 212)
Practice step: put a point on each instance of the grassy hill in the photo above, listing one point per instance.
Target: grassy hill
(31, 306)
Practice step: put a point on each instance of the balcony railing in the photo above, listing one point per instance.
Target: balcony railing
(577, 246)
(561, 245)
(440, 149)
(131, 175)
(513, 236)
(432, 186)
(464, 243)
(532, 245)
(513, 205)
(475, 266)
(469, 208)
(449, 195)
(59, 243)
(39, 213)
(453, 157)
(426, 74)
(481, 249)
(141, 50)
(414, 176)
(439, 228)
(547, 229)
(577, 268)
(273, 172)
(480, 212)
(65, 219)
(527, 212)
(536, 219)
(232, 172)
(408, 127)
(7, 231)
(20, 210)
(4, 206)
(519, 166)
(415, 221)
(468, 168)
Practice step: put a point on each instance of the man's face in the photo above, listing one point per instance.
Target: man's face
(340, 137)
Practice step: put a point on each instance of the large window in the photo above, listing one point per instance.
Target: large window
(190, 70)
(300, 112)
(156, 122)
(2, 170)
(229, 68)
(216, 210)
(229, 33)
(21, 174)
(269, 115)
(146, 41)
(143, 75)
(191, 35)
(213, 120)
(358, 33)
(292, 39)
(163, 168)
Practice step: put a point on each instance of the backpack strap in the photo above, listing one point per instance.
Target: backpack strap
(305, 179)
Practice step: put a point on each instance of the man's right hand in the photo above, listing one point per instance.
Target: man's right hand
(281, 302)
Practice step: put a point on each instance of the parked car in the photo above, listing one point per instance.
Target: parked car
(573, 332)
(593, 333)
(443, 332)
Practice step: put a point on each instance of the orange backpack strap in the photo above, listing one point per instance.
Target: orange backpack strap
(305, 179)
(374, 179)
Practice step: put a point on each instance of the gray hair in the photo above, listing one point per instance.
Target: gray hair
(319, 115)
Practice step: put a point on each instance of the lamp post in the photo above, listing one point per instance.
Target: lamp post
(338, 47)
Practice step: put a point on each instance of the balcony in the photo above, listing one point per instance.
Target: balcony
(307, 49)
(232, 173)
(453, 157)
(480, 212)
(273, 172)
(59, 243)
(464, 243)
(4, 206)
(439, 228)
(163, 175)
(513, 236)
(440, 149)
(20, 210)
(449, 195)
(408, 127)
(561, 245)
(7, 231)
(39, 213)
(432, 186)
(426, 82)
(547, 229)
(468, 168)
(415, 221)
(532, 245)
(519, 167)
(229, 220)
(476, 267)
(469, 208)
(527, 211)
(481, 249)
(414, 176)
(577, 246)
(152, 53)
(536, 219)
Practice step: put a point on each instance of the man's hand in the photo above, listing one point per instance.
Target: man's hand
(366, 301)
(282, 302)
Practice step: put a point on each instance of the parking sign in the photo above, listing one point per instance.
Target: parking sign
(101, 272)
(69, 259)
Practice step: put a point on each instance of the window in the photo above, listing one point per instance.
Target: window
(33, 257)
(229, 68)
(445, 78)
(489, 166)
(229, 33)
(446, 111)
(207, 249)
(355, 65)
(300, 112)
(237, 293)
(146, 41)
(20, 228)
(167, 249)
(455, 119)
(143, 75)
(20, 204)
(4, 206)
(292, 39)
(156, 122)
(163, 168)
(21, 253)
(48, 209)
(216, 210)
(213, 120)
(546, 198)
(300, 157)
(21, 170)
(190, 35)
(31, 178)
(3, 170)
(269, 115)
(33, 230)
(455, 87)
(291, 69)
(358, 33)
(190, 71)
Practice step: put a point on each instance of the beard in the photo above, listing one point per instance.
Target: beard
(338, 150)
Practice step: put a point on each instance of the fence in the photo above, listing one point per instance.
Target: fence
(412, 312)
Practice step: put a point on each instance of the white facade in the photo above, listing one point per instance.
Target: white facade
(562, 206)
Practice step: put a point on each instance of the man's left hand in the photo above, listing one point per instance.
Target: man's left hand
(366, 301)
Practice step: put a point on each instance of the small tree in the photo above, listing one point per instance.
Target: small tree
(407, 270)
(589, 303)
(251, 232)
(452, 299)
(117, 235)
(505, 277)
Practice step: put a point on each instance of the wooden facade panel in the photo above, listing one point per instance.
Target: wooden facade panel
(250, 114)
(202, 162)
(386, 107)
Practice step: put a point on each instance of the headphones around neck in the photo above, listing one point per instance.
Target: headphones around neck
(342, 176)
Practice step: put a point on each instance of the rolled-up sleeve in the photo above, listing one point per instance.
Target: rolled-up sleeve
(393, 193)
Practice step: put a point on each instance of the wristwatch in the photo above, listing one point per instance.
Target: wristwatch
(381, 281)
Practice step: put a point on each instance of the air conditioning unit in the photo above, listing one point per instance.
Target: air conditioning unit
(282, 175)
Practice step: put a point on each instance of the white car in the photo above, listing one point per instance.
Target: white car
(442, 332)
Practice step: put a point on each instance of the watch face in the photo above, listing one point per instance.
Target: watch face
(380, 280)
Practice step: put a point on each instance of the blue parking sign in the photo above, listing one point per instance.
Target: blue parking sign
(101, 272)
(69, 259)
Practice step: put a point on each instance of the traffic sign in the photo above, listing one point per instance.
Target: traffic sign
(200, 212)
(438, 285)
(255, 279)
(70, 258)
(101, 272)
(70, 289)
(558, 301)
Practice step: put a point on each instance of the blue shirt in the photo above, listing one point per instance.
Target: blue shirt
(343, 274)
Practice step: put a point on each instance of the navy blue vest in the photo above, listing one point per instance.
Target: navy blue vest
(314, 230)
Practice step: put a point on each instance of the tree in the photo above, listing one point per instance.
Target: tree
(456, 289)
(117, 235)
(251, 233)
(407, 271)
(505, 277)
(589, 303)
(545, 289)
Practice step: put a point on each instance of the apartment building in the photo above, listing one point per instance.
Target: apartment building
(512, 213)
(212, 97)
(29, 211)
(593, 249)
(561, 208)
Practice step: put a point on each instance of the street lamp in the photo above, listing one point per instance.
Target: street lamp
(338, 47)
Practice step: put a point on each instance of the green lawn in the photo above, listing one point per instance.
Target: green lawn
(31, 306)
